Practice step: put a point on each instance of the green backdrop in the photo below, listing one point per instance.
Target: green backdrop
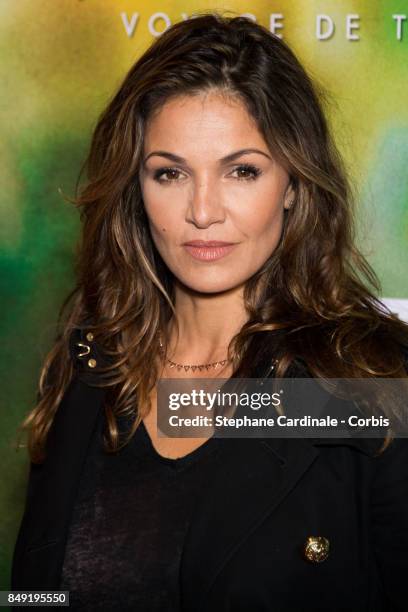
(60, 61)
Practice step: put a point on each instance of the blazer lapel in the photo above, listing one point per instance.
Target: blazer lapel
(254, 476)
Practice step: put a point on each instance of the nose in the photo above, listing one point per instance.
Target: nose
(205, 204)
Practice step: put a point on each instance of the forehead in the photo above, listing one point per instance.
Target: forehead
(209, 121)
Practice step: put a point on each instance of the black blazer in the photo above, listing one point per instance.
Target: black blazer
(246, 549)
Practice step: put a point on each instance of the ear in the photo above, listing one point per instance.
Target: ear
(289, 196)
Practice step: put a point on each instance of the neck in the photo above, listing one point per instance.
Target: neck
(206, 324)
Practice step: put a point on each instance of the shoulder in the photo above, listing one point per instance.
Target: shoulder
(87, 354)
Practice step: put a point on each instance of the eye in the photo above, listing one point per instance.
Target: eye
(173, 173)
(163, 171)
(247, 168)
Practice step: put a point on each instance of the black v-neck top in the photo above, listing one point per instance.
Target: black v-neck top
(129, 523)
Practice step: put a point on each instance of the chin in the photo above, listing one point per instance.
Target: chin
(216, 285)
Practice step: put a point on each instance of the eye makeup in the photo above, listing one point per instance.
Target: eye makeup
(248, 168)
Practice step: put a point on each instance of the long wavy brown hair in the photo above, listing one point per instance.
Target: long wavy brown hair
(316, 285)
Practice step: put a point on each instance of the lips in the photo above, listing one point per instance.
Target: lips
(207, 243)
(208, 250)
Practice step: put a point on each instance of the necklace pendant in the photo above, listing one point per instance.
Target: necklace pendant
(186, 368)
(179, 368)
(194, 368)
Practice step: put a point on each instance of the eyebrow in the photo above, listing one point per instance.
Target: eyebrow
(228, 158)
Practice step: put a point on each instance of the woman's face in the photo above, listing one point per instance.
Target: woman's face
(200, 182)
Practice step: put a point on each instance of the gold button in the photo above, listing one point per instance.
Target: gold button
(316, 549)
(92, 363)
(89, 336)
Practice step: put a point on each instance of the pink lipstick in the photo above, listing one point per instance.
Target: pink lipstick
(208, 250)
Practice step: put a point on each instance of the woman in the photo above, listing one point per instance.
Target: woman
(217, 241)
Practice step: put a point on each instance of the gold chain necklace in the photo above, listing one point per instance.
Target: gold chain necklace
(200, 367)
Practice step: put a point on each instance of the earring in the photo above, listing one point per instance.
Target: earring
(290, 204)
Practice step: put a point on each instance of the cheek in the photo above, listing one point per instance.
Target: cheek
(162, 226)
(161, 217)
(260, 216)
